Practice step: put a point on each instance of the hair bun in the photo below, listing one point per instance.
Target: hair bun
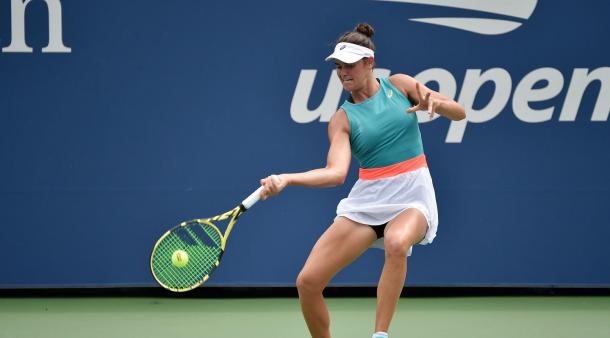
(366, 29)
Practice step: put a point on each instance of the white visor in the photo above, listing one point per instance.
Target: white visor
(350, 53)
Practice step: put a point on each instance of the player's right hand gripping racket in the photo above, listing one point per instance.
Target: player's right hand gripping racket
(203, 243)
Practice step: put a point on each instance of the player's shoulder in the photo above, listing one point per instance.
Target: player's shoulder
(402, 80)
(339, 121)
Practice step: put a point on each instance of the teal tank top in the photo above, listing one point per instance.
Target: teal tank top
(382, 133)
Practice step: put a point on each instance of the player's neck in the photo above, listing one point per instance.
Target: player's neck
(369, 89)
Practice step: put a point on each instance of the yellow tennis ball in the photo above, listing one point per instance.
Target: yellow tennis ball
(180, 258)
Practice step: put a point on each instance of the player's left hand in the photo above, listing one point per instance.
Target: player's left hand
(425, 103)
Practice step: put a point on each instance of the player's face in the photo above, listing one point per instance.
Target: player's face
(353, 76)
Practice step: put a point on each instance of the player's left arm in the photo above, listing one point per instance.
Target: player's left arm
(427, 99)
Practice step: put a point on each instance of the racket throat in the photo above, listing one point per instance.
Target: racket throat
(238, 211)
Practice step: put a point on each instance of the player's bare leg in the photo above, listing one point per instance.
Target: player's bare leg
(342, 242)
(401, 233)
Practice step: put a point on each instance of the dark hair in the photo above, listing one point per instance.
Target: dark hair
(361, 35)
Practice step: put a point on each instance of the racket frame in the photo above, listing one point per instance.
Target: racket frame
(234, 214)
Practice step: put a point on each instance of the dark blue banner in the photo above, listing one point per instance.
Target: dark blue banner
(120, 119)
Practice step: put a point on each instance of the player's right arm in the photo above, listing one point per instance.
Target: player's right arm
(337, 162)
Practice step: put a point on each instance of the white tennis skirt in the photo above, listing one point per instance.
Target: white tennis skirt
(378, 201)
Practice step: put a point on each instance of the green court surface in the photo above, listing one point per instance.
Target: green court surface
(457, 317)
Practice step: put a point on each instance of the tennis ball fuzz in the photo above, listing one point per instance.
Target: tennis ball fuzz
(180, 258)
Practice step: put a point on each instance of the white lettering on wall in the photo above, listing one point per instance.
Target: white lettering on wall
(18, 43)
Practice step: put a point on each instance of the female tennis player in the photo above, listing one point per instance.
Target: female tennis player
(392, 205)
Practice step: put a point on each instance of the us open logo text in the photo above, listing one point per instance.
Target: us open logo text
(527, 90)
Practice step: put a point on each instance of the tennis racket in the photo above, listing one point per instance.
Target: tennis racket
(203, 244)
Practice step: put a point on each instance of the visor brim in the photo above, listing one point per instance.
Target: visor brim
(345, 57)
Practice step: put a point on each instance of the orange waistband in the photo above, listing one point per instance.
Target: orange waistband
(394, 169)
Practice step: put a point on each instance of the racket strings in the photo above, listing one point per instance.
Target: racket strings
(203, 247)
(180, 277)
(201, 263)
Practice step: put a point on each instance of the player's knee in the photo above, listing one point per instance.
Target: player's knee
(395, 248)
(308, 283)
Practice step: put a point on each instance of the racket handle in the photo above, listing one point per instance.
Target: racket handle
(252, 199)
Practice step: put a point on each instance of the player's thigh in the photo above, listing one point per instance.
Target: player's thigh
(343, 242)
(407, 229)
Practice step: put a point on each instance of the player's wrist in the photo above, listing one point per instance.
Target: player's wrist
(286, 179)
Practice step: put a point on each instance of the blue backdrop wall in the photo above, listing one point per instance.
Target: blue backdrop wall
(120, 118)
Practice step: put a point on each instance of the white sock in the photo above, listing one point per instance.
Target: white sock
(380, 335)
